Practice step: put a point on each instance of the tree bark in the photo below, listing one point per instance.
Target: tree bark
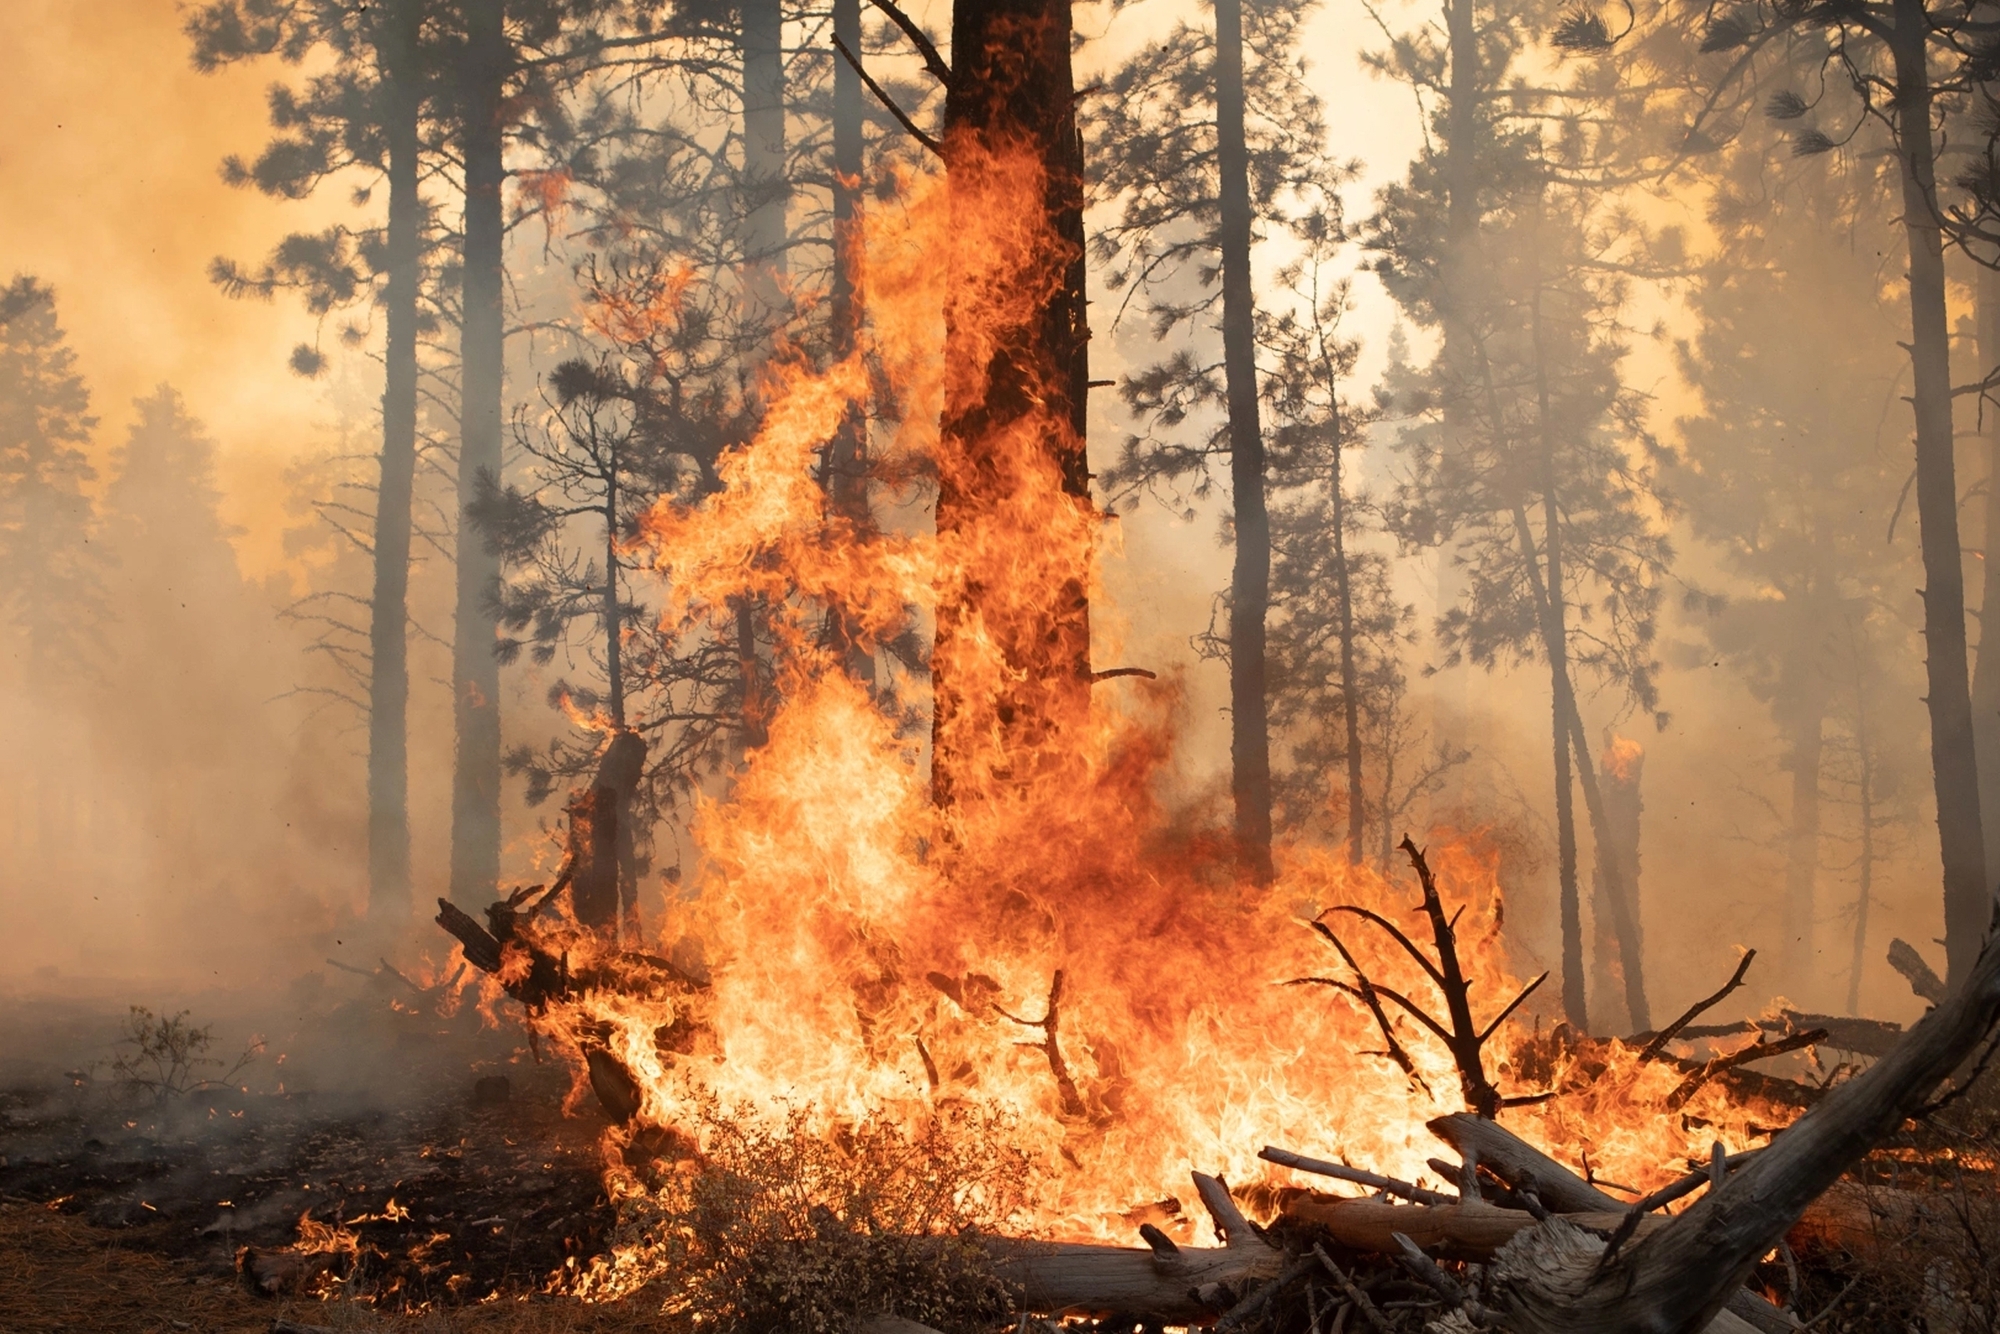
(1555, 637)
(475, 805)
(1250, 580)
(388, 608)
(1016, 343)
(1968, 897)
(1570, 904)
(766, 183)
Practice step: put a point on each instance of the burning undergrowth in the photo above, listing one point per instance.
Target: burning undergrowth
(788, 1227)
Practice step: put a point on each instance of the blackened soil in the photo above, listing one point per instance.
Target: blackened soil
(452, 1198)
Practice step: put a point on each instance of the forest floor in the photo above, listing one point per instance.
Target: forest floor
(458, 1202)
(459, 1205)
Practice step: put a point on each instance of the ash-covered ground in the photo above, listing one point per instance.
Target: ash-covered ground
(436, 1142)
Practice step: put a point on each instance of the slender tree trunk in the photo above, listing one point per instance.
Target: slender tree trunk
(1459, 153)
(614, 630)
(1555, 636)
(389, 668)
(1350, 683)
(1623, 899)
(1805, 712)
(1968, 896)
(767, 196)
(1013, 413)
(475, 805)
(1624, 765)
(766, 184)
(1864, 744)
(1986, 665)
(846, 458)
(1250, 581)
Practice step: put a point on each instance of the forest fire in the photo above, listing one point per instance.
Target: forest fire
(1042, 956)
(921, 947)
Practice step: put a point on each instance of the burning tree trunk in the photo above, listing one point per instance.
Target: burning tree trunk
(1011, 663)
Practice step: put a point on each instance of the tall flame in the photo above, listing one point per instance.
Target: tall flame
(875, 957)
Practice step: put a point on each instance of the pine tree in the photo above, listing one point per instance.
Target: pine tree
(1531, 464)
(368, 112)
(1199, 139)
(1338, 631)
(53, 594)
(1900, 68)
(1784, 468)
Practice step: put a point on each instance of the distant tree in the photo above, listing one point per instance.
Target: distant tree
(366, 111)
(1337, 630)
(1787, 469)
(1530, 460)
(1199, 139)
(1896, 76)
(53, 592)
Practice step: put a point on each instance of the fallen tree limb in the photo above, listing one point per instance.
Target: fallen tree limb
(1674, 1280)
(1904, 958)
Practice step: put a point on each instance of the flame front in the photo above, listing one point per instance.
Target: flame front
(874, 956)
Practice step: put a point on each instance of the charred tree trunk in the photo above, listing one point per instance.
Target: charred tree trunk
(1250, 580)
(1968, 896)
(766, 185)
(593, 859)
(475, 797)
(1016, 343)
(766, 241)
(388, 608)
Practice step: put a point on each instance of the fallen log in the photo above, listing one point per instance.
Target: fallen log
(1466, 1231)
(1063, 1278)
(1165, 1284)
(1554, 1276)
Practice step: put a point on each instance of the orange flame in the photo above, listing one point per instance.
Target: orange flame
(874, 958)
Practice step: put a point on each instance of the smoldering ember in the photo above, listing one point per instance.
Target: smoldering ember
(1278, 667)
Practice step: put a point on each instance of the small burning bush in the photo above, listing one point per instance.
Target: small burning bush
(166, 1055)
(805, 1231)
